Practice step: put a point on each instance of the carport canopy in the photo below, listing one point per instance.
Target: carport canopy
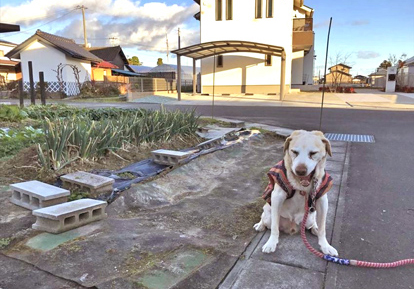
(208, 49)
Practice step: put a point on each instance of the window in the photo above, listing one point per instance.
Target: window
(268, 60)
(259, 8)
(229, 9)
(269, 9)
(220, 61)
(1, 53)
(219, 10)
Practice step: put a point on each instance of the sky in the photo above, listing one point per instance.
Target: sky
(363, 33)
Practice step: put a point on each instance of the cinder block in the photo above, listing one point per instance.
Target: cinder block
(67, 216)
(33, 195)
(237, 123)
(91, 182)
(210, 143)
(169, 157)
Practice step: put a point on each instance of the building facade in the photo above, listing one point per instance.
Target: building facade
(286, 24)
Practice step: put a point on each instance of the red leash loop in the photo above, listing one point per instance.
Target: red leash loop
(345, 261)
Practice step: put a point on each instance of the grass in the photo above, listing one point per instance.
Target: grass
(114, 99)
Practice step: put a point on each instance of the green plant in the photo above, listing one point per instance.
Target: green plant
(4, 242)
(16, 139)
(11, 113)
(76, 195)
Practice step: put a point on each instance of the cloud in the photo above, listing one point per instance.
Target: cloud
(359, 22)
(367, 54)
(128, 22)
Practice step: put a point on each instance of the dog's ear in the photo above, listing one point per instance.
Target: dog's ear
(327, 145)
(287, 142)
(324, 140)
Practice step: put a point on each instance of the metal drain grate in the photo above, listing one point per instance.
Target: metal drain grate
(350, 137)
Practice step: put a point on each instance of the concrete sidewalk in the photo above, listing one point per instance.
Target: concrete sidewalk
(292, 265)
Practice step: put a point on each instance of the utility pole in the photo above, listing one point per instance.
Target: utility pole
(168, 49)
(84, 24)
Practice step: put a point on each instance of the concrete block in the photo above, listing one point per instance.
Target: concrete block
(210, 143)
(33, 195)
(237, 123)
(169, 157)
(93, 183)
(67, 216)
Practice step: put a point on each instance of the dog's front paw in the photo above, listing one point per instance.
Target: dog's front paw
(329, 250)
(260, 227)
(270, 245)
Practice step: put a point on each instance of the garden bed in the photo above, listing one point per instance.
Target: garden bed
(74, 139)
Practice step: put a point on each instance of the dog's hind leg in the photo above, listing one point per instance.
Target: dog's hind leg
(265, 220)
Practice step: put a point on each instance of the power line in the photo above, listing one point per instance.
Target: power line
(25, 31)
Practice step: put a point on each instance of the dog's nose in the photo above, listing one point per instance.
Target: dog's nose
(301, 170)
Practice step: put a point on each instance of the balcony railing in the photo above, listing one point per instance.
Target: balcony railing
(302, 24)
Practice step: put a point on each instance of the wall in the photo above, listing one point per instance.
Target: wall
(308, 62)
(297, 67)
(84, 67)
(247, 68)
(44, 58)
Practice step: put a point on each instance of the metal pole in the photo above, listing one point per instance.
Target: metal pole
(84, 26)
(42, 88)
(214, 80)
(194, 77)
(32, 91)
(324, 78)
(179, 69)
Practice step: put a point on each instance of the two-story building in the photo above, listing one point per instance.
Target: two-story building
(339, 74)
(9, 69)
(253, 46)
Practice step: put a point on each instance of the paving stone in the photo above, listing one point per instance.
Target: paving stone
(264, 275)
(67, 216)
(34, 195)
(332, 166)
(93, 183)
(169, 157)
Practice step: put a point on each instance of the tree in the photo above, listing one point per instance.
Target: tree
(385, 64)
(337, 72)
(159, 62)
(134, 60)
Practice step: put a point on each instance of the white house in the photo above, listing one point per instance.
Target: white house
(257, 45)
(46, 51)
(406, 73)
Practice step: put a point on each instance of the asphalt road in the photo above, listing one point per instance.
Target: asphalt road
(378, 218)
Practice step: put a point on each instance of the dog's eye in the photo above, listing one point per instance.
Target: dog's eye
(311, 154)
(296, 153)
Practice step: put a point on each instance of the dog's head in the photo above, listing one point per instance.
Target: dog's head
(304, 150)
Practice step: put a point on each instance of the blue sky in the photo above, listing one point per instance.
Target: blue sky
(365, 31)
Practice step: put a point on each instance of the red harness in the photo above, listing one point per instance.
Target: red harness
(278, 174)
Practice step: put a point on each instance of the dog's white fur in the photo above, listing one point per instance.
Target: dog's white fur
(304, 151)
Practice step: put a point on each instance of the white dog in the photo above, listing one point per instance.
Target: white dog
(291, 182)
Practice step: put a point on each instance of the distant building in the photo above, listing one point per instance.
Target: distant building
(339, 74)
(47, 51)
(377, 78)
(9, 69)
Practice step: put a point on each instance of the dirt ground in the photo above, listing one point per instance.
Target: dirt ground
(185, 229)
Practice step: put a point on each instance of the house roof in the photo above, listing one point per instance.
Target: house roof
(340, 72)
(4, 62)
(208, 49)
(65, 45)
(106, 64)
(109, 53)
(124, 72)
(7, 43)
(341, 64)
(141, 68)
(409, 61)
